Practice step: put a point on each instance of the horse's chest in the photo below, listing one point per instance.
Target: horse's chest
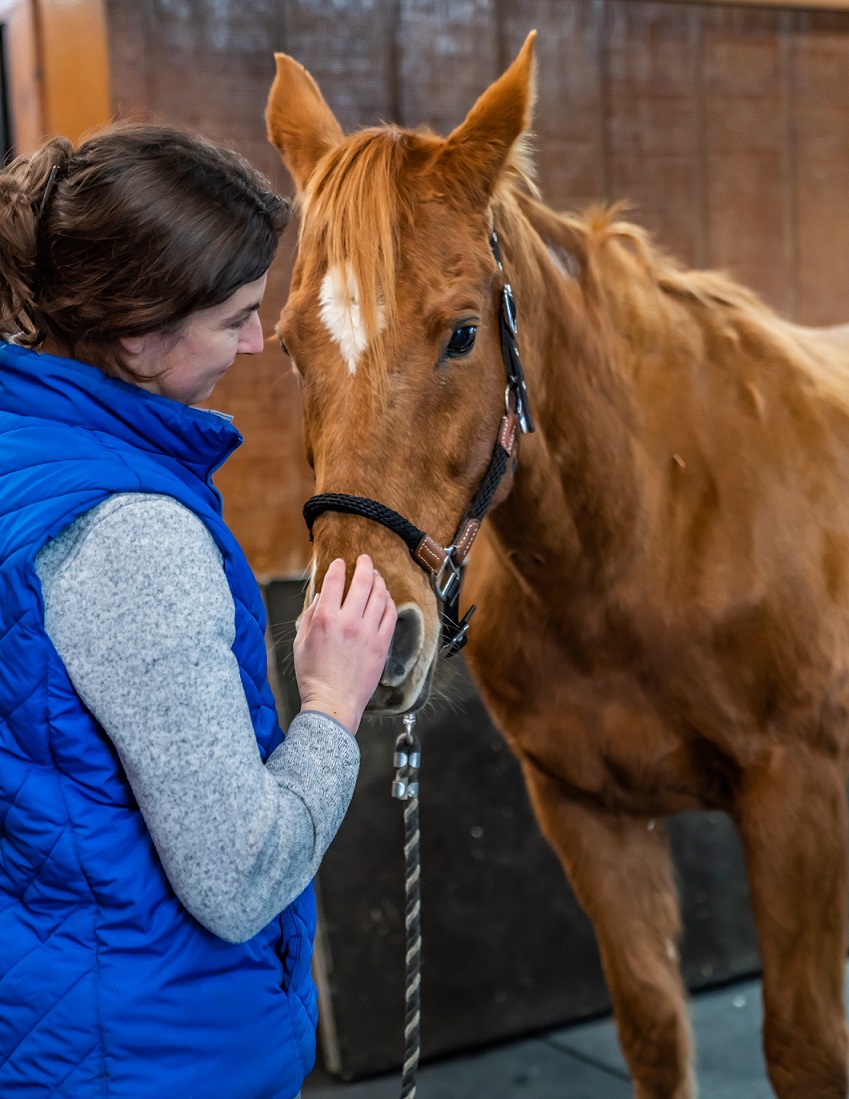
(590, 707)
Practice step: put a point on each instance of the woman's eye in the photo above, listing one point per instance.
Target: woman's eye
(462, 341)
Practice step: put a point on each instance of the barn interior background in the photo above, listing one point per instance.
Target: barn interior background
(727, 128)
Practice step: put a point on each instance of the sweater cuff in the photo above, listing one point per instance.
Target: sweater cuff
(327, 717)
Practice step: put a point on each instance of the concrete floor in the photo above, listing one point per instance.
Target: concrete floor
(584, 1062)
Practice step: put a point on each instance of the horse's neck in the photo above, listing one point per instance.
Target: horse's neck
(576, 498)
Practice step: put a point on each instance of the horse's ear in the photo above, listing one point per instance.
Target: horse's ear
(479, 148)
(300, 123)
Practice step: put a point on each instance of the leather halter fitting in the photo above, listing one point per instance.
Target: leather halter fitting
(444, 564)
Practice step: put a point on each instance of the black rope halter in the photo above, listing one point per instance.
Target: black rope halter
(444, 564)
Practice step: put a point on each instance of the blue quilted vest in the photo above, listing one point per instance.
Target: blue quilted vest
(108, 987)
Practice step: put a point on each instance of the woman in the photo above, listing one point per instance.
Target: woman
(158, 836)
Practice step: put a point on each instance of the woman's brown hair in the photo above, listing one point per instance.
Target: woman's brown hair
(127, 234)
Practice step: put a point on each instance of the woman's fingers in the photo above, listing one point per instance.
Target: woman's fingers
(362, 583)
(305, 617)
(376, 601)
(333, 588)
(386, 628)
(365, 602)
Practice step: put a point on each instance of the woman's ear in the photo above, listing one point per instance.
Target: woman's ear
(143, 353)
(133, 345)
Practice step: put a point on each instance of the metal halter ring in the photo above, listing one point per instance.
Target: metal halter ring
(446, 590)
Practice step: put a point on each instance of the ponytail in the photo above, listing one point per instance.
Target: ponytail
(25, 190)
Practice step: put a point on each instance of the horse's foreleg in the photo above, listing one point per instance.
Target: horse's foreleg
(792, 820)
(621, 871)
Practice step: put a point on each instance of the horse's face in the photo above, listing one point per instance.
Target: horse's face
(392, 327)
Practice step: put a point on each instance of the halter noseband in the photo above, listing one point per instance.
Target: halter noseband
(444, 564)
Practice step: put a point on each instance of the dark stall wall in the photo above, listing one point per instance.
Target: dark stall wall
(727, 128)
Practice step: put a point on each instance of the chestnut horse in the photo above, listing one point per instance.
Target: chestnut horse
(663, 579)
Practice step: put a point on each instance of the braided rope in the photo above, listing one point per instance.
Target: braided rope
(412, 924)
(405, 787)
(368, 509)
(489, 486)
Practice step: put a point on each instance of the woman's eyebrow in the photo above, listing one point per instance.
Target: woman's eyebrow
(245, 312)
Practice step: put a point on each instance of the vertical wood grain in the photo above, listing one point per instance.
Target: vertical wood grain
(28, 127)
(652, 119)
(821, 170)
(567, 126)
(727, 126)
(74, 65)
(447, 55)
(745, 142)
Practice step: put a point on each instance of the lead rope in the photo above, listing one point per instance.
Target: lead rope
(405, 787)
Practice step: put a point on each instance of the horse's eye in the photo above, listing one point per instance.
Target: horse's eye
(462, 341)
(283, 346)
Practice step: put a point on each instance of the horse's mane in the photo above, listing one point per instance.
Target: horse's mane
(364, 191)
(589, 233)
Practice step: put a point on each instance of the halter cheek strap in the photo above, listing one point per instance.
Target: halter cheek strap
(444, 563)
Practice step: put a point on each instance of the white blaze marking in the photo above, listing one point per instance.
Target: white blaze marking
(341, 315)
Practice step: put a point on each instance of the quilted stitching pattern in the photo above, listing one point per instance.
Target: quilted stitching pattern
(99, 963)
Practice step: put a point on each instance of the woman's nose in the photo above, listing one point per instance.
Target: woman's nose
(252, 341)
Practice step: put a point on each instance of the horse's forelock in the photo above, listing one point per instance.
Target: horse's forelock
(357, 203)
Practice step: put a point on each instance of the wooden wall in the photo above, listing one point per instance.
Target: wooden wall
(58, 69)
(727, 127)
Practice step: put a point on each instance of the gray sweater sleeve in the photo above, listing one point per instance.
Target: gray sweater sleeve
(140, 611)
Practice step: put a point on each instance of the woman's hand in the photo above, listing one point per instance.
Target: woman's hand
(341, 646)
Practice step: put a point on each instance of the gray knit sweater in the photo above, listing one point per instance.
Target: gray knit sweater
(139, 609)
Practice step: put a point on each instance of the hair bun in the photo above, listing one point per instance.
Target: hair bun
(50, 163)
(24, 190)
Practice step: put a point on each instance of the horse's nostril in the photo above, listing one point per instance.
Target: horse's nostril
(406, 646)
(394, 669)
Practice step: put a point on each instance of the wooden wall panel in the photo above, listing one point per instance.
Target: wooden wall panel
(351, 54)
(727, 126)
(131, 29)
(75, 66)
(569, 119)
(652, 118)
(820, 137)
(18, 17)
(743, 74)
(447, 54)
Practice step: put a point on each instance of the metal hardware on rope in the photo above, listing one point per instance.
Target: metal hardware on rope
(405, 787)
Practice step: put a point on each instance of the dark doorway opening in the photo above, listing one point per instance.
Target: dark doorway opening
(6, 136)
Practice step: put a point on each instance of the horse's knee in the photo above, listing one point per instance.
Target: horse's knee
(806, 1059)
